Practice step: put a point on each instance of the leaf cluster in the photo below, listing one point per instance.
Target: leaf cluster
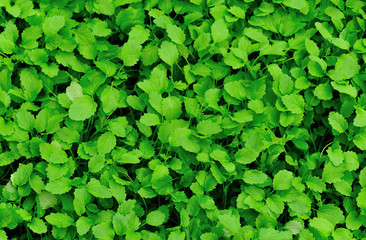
(171, 119)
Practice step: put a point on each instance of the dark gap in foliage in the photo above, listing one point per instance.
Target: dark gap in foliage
(253, 55)
(115, 39)
(100, 16)
(21, 233)
(6, 172)
(36, 5)
(159, 33)
(63, 68)
(61, 87)
(216, 57)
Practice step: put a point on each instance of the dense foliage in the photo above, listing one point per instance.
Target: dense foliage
(177, 119)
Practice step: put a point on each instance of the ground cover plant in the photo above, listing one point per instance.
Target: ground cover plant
(172, 119)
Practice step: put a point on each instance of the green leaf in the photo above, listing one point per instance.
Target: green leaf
(68, 135)
(316, 184)
(125, 223)
(354, 220)
(128, 158)
(74, 91)
(30, 83)
(322, 225)
(82, 108)
(149, 54)
(338, 122)
(8, 38)
(346, 67)
(23, 214)
(168, 52)
(343, 87)
(278, 22)
(246, 155)
(59, 186)
(255, 177)
(138, 34)
(230, 222)
(110, 98)
(202, 42)
(306, 234)
(242, 116)
(171, 107)
(272, 234)
(275, 204)
(351, 161)
(175, 33)
(325, 30)
(36, 183)
(70, 60)
(55, 171)
(257, 106)
(47, 200)
(343, 187)
(118, 126)
(212, 96)
(21, 176)
(341, 43)
(103, 231)
(323, 91)
(255, 34)
(106, 142)
(83, 225)
(98, 190)
(101, 29)
(332, 173)
(335, 154)
(316, 66)
(209, 236)
(135, 102)
(52, 153)
(285, 84)
(37, 226)
(360, 119)
(220, 155)
(332, 213)
(342, 234)
(52, 25)
(336, 15)
(82, 197)
(294, 227)
(85, 38)
(155, 218)
(157, 82)
(177, 235)
(294, 103)
(38, 56)
(219, 31)
(183, 137)
(150, 119)
(283, 180)
(311, 47)
(236, 89)
(161, 180)
(61, 220)
(96, 163)
(130, 53)
(208, 127)
(301, 5)
(360, 139)
(108, 67)
(362, 177)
